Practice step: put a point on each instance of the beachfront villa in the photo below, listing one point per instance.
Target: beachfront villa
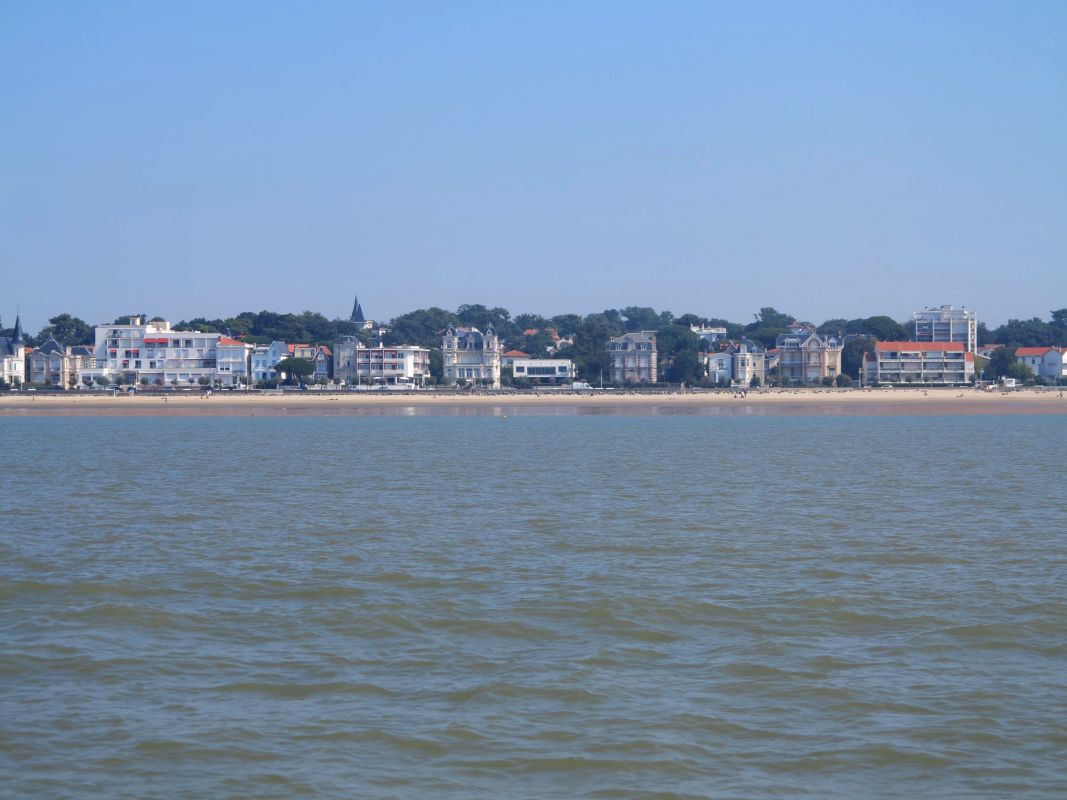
(265, 359)
(471, 356)
(806, 357)
(748, 362)
(718, 367)
(544, 371)
(925, 363)
(234, 362)
(633, 357)
(709, 335)
(1046, 362)
(51, 364)
(13, 356)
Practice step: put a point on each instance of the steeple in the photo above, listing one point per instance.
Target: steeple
(357, 312)
(18, 338)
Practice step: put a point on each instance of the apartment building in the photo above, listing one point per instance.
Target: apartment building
(806, 357)
(150, 352)
(927, 363)
(383, 365)
(633, 357)
(472, 356)
(946, 324)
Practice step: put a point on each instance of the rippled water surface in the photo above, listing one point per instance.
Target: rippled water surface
(531, 607)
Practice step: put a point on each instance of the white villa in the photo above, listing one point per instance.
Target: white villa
(1046, 362)
(13, 356)
(473, 356)
(544, 371)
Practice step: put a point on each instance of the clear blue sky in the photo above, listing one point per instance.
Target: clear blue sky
(829, 159)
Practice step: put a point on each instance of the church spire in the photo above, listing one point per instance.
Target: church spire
(18, 338)
(357, 312)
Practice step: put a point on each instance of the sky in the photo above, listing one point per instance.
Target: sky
(827, 159)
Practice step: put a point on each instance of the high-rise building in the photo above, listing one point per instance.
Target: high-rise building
(947, 324)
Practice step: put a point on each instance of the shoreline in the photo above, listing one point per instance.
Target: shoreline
(846, 402)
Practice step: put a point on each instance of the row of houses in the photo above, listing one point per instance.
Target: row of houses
(152, 353)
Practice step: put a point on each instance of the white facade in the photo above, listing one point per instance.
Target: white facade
(1046, 362)
(472, 356)
(927, 363)
(385, 365)
(233, 362)
(719, 367)
(708, 334)
(544, 370)
(947, 324)
(748, 361)
(13, 356)
(152, 353)
(264, 360)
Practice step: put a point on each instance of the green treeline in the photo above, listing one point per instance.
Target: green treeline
(678, 346)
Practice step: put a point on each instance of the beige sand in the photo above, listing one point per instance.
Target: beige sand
(807, 401)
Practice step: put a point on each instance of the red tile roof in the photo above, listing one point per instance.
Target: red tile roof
(1036, 351)
(226, 341)
(515, 354)
(921, 347)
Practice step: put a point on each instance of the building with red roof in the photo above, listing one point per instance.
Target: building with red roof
(1046, 362)
(919, 363)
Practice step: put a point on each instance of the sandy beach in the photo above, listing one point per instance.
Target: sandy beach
(313, 404)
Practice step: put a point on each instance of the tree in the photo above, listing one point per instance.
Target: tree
(1019, 371)
(678, 349)
(567, 324)
(1031, 332)
(1000, 361)
(843, 380)
(885, 329)
(771, 318)
(423, 327)
(437, 365)
(852, 355)
(68, 331)
(295, 368)
(832, 327)
(640, 318)
(769, 324)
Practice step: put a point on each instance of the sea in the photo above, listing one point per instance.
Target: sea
(534, 605)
